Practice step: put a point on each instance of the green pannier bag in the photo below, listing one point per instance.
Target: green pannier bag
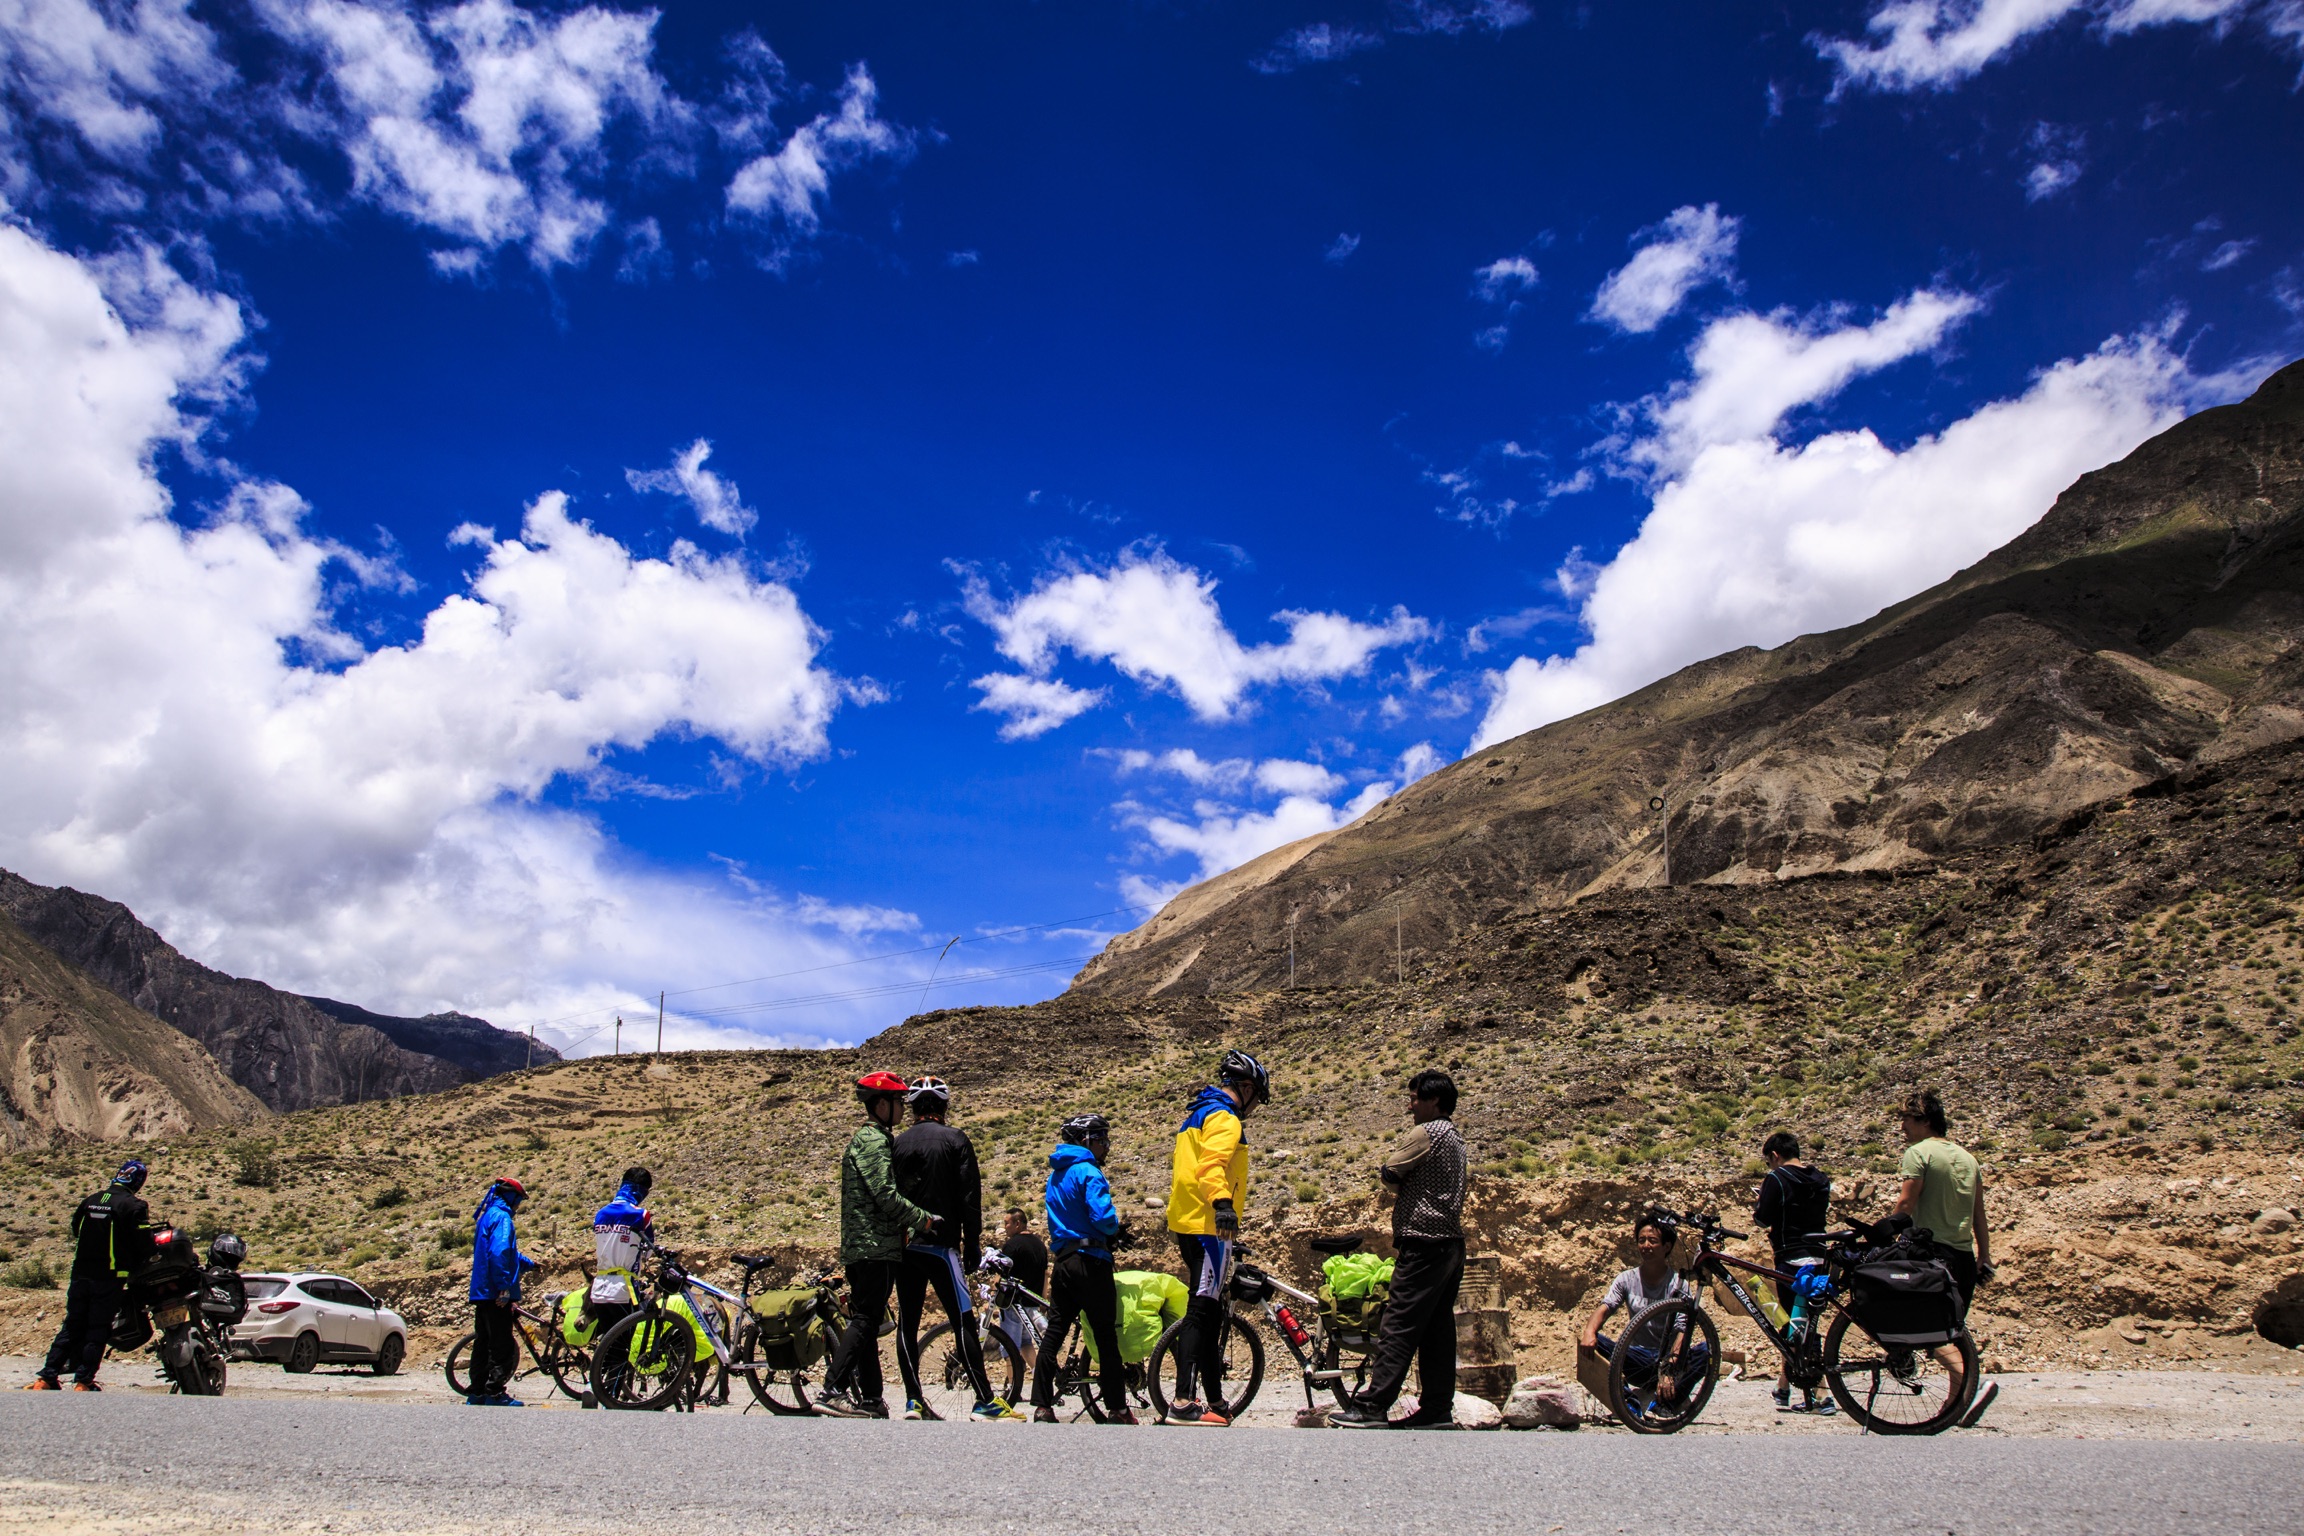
(576, 1325)
(1353, 1296)
(792, 1334)
(642, 1352)
(1149, 1302)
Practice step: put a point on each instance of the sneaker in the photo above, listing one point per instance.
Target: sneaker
(1822, 1406)
(475, 1400)
(1357, 1417)
(1195, 1413)
(836, 1404)
(873, 1407)
(1783, 1396)
(43, 1384)
(86, 1386)
(1124, 1416)
(919, 1412)
(505, 1400)
(993, 1412)
(1045, 1416)
(1440, 1419)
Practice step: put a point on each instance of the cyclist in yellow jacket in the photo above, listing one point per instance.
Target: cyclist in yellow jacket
(1208, 1183)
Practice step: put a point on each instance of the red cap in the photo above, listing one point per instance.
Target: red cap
(881, 1082)
(513, 1185)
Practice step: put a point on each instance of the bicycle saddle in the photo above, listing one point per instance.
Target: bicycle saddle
(751, 1260)
(1334, 1245)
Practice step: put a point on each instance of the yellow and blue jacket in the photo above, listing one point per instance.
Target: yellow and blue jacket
(1210, 1164)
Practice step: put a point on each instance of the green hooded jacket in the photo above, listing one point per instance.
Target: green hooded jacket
(875, 1218)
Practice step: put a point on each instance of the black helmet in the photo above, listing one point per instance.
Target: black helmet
(1245, 1071)
(227, 1252)
(1082, 1129)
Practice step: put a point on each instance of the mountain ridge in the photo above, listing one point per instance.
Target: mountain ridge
(2149, 621)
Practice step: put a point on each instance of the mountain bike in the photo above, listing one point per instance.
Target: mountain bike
(1326, 1355)
(944, 1377)
(539, 1343)
(650, 1359)
(1667, 1362)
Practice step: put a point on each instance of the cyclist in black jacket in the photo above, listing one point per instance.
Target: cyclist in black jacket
(109, 1237)
(1793, 1203)
(936, 1170)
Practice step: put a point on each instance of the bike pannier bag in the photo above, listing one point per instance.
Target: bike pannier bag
(169, 1259)
(131, 1327)
(792, 1336)
(1353, 1295)
(577, 1322)
(1149, 1302)
(1906, 1302)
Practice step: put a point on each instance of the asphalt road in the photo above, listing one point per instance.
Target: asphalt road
(122, 1463)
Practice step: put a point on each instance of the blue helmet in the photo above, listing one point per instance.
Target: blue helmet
(131, 1175)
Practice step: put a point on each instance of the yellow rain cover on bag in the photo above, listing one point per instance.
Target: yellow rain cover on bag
(577, 1326)
(1149, 1302)
(645, 1355)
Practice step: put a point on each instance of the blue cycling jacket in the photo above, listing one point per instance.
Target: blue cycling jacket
(1081, 1218)
(496, 1260)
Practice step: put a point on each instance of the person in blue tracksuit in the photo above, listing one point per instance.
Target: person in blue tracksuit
(1082, 1228)
(497, 1263)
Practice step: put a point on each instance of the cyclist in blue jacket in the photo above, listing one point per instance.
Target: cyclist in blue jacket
(497, 1263)
(1082, 1227)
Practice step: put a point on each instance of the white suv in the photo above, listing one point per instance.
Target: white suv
(300, 1320)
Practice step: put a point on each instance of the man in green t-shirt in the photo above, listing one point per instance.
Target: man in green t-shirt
(1943, 1191)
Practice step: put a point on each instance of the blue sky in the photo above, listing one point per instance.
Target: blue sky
(1137, 434)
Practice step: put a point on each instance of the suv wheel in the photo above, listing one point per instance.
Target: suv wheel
(387, 1362)
(303, 1354)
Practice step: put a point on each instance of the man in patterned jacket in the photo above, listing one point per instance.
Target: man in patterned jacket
(1427, 1170)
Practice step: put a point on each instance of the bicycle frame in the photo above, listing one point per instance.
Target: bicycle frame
(1322, 1347)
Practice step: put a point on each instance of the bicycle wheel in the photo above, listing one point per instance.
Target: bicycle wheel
(569, 1368)
(643, 1362)
(1242, 1352)
(1664, 1367)
(1892, 1391)
(944, 1374)
(458, 1353)
(784, 1392)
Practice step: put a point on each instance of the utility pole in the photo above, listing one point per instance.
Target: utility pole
(1663, 810)
(619, 1034)
(1399, 950)
(531, 1046)
(659, 1023)
(1291, 951)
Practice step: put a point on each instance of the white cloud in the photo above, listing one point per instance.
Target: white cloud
(1692, 247)
(2230, 253)
(104, 71)
(186, 728)
(1156, 620)
(1319, 43)
(716, 501)
(1502, 278)
(1034, 705)
(1751, 540)
(483, 121)
(1340, 250)
(2049, 177)
(789, 187)
(1750, 370)
(1938, 44)
(1219, 835)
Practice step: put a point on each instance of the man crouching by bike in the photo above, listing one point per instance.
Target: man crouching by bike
(1641, 1287)
(1083, 1223)
(1428, 1173)
(1207, 1185)
(875, 1223)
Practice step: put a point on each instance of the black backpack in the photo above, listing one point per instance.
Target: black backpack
(1905, 1301)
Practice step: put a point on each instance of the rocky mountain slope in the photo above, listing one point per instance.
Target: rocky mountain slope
(2148, 622)
(2111, 1010)
(292, 1052)
(77, 1063)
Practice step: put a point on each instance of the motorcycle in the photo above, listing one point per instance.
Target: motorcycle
(192, 1306)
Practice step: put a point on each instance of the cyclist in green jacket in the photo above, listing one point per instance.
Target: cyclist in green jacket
(876, 1221)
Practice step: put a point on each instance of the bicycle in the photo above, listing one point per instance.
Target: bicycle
(1326, 1354)
(945, 1377)
(648, 1360)
(1665, 1365)
(569, 1367)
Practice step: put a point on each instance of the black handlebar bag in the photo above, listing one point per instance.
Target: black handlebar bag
(1906, 1303)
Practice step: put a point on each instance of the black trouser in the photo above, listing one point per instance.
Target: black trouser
(927, 1265)
(495, 1353)
(1082, 1288)
(1419, 1320)
(90, 1303)
(856, 1362)
(1962, 1263)
(607, 1373)
(1200, 1342)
